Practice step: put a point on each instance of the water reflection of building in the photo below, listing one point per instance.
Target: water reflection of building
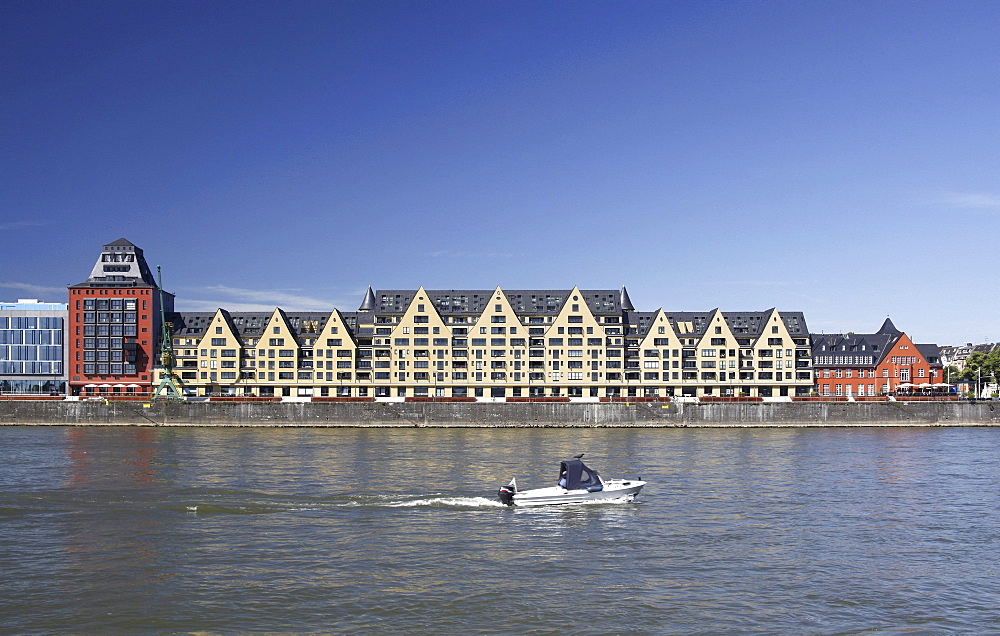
(116, 534)
(32, 355)
(129, 460)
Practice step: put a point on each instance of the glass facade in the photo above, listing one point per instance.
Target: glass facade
(32, 354)
(31, 345)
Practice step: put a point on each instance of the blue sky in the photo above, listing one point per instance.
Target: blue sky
(836, 158)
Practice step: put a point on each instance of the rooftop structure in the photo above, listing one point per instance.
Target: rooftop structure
(31, 304)
(121, 264)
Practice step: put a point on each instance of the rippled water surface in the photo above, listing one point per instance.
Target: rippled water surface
(821, 531)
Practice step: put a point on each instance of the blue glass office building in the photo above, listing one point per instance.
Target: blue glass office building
(32, 353)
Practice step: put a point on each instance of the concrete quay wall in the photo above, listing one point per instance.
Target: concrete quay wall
(409, 414)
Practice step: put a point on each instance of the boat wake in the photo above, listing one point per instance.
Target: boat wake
(449, 502)
(261, 505)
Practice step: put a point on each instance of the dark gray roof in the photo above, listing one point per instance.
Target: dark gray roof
(625, 301)
(749, 324)
(638, 323)
(752, 323)
(473, 302)
(368, 303)
(930, 352)
(248, 324)
(795, 323)
(698, 319)
(350, 319)
(855, 345)
(888, 327)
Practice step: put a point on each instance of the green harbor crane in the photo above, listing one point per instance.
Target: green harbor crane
(170, 387)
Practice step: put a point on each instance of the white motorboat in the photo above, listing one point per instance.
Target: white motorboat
(577, 484)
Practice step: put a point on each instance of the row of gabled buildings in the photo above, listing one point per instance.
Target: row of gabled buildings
(485, 344)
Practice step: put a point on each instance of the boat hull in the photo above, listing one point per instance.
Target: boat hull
(613, 491)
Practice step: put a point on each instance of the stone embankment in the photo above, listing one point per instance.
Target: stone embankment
(399, 414)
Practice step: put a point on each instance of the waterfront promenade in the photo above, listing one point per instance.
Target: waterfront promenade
(500, 415)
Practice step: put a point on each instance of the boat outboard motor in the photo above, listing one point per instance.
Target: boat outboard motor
(507, 492)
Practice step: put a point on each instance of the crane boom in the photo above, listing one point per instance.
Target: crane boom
(170, 386)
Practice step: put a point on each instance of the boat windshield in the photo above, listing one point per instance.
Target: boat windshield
(578, 475)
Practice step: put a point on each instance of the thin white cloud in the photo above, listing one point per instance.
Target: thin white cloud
(972, 200)
(237, 299)
(38, 290)
(184, 304)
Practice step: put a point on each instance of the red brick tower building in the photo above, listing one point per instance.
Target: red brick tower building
(114, 325)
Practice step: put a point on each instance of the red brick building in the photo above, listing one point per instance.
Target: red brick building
(114, 324)
(875, 364)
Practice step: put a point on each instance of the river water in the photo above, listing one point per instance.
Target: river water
(823, 531)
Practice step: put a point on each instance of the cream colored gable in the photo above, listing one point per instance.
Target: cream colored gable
(660, 321)
(499, 323)
(277, 328)
(717, 328)
(767, 343)
(575, 305)
(421, 306)
(232, 338)
(335, 328)
(768, 332)
(503, 318)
